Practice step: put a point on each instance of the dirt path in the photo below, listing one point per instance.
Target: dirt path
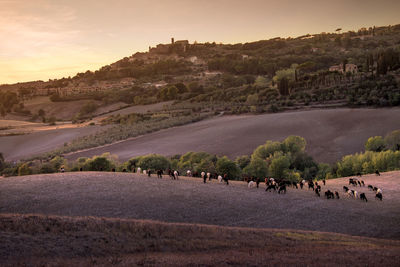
(124, 195)
(330, 134)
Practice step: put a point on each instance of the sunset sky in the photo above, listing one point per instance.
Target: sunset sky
(47, 39)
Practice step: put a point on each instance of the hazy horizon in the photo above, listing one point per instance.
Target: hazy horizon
(44, 40)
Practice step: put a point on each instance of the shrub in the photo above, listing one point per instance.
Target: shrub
(100, 163)
(226, 166)
(375, 144)
(24, 170)
(154, 162)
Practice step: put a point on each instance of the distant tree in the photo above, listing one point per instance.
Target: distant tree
(24, 170)
(376, 144)
(257, 168)
(279, 166)
(226, 166)
(154, 162)
(242, 161)
(392, 140)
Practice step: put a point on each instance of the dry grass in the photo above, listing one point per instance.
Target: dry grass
(70, 241)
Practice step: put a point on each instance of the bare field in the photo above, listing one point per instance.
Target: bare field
(188, 200)
(37, 240)
(330, 134)
(28, 145)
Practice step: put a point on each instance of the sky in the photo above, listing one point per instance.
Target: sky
(48, 39)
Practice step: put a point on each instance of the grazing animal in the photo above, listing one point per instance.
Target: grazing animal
(301, 185)
(176, 175)
(319, 187)
(271, 187)
(377, 173)
(337, 194)
(359, 174)
(370, 187)
(349, 193)
(363, 184)
(345, 188)
(379, 191)
(250, 184)
(295, 185)
(329, 194)
(379, 196)
(220, 178)
(375, 188)
(353, 181)
(363, 197)
(139, 170)
(188, 173)
(359, 183)
(282, 188)
(324, 182)
(311, 185)
(317, 193)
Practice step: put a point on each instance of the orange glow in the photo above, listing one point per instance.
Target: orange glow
(42, 39)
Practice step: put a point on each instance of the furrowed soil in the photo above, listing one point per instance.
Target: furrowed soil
(100, 218)
(330, 134)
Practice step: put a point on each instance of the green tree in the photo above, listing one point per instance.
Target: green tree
(392, 140)
(375, 143)
(257, 168)
(154, 162)
(279, 166)
(242, 161)
(226, 166)
(294, 144)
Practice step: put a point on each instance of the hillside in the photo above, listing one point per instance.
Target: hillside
(188, 200)
(268, 75)
(86, 241)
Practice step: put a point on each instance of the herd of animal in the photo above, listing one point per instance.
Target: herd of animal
(281, 187)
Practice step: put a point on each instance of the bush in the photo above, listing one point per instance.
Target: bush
(226, 166)
(24, 170)
(154, 162)
(100, 163)
(375, 144)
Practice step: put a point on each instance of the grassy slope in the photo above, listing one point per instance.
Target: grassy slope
(38, 240)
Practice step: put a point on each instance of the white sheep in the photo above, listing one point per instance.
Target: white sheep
(176, 175)
(188, 173)
(250, 184)
(208, 175)
(203, 174)
(144, 172)
(379, 191)
(220, 178)
(139, 170)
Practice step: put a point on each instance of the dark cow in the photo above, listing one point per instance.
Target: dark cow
(337, 194)
(329, 194)
(282, 188)
(363, 197)
(379, 196)
(345, 188)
